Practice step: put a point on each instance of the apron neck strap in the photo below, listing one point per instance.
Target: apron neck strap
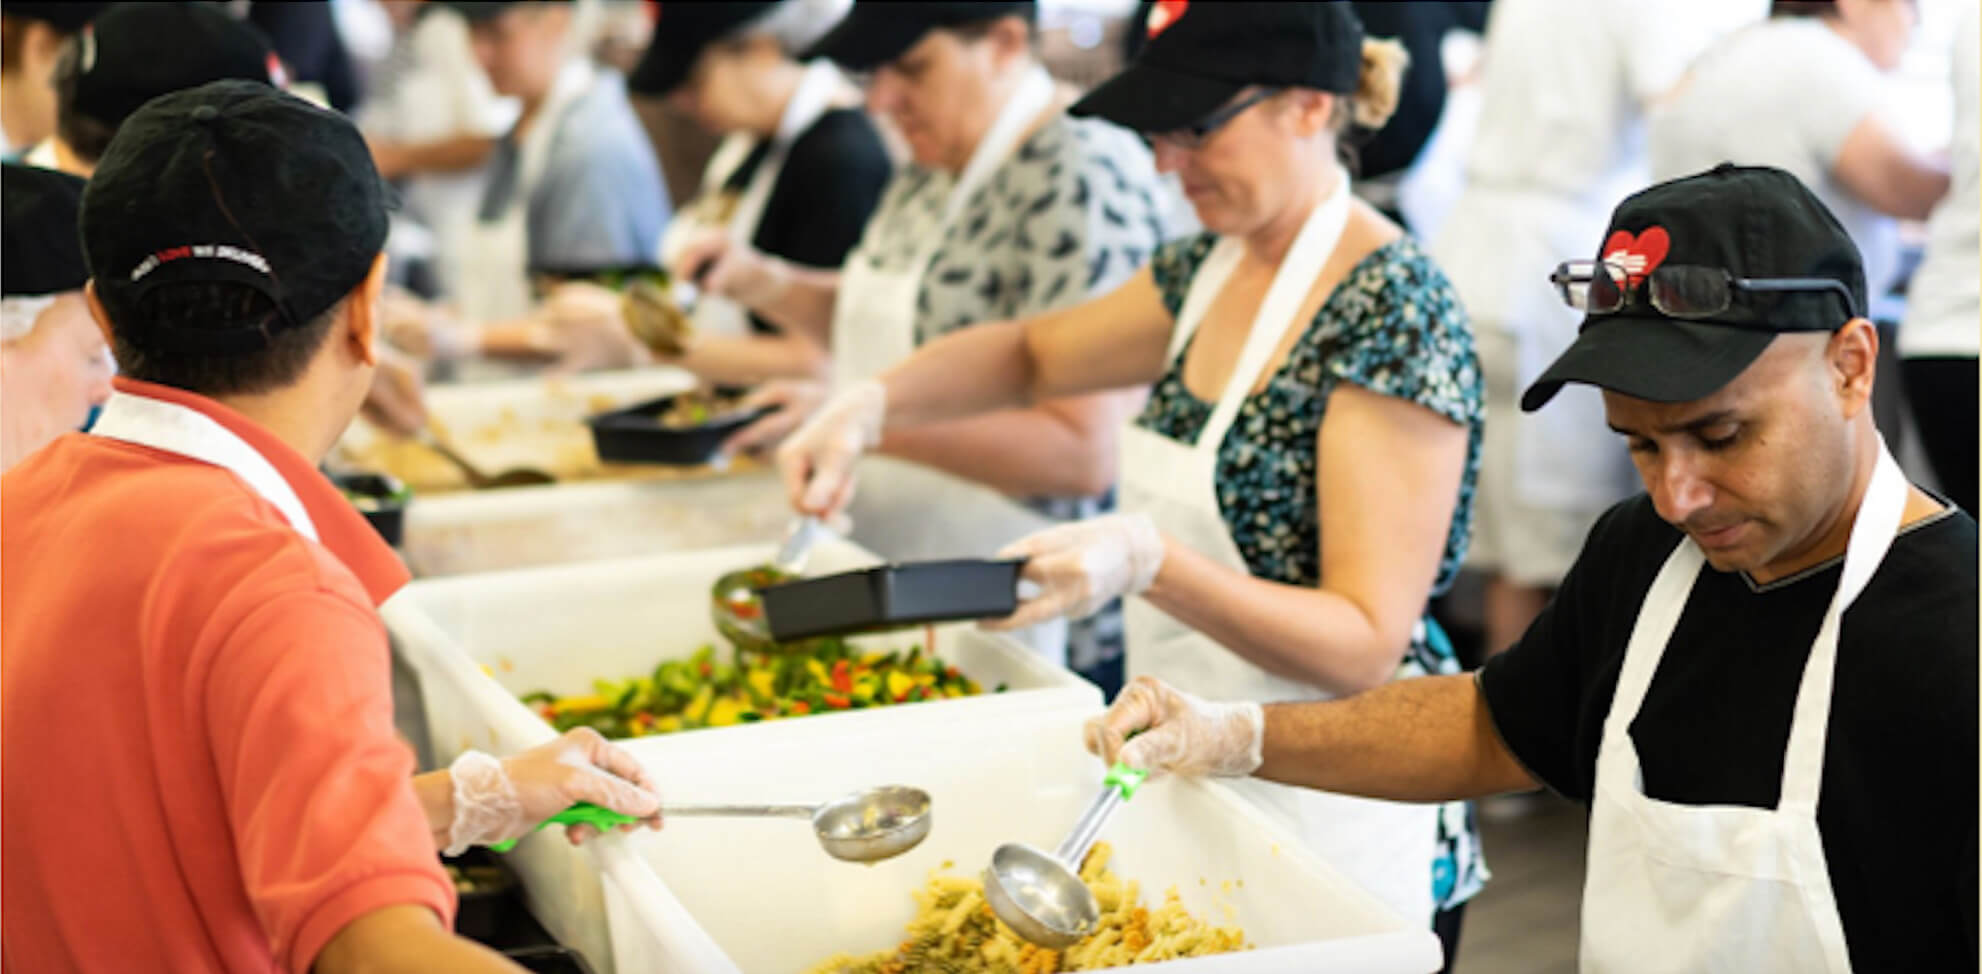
(1292, 280)
(188, 432)
(1033, 93)
(1872, 533)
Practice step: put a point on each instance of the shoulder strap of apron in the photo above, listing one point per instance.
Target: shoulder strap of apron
(1033, 94)
(1291, 283)
(190, 433)
(814, 94)
(1872, 534)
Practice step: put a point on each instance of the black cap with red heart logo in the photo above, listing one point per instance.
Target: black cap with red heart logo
(1753, 222)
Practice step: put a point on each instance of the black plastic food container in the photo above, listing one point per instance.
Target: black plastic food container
(387, 507)
(635, 434)
(890, 596)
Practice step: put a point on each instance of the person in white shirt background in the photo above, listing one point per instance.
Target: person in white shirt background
(1817, 73)
(1938, 338)
(1560, 139)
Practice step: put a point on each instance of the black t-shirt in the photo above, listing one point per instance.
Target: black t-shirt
(1897, 808)
(832, 178)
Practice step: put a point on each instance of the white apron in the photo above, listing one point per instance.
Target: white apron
(1386, 847)
(1723, 888)
(907, 511)
(188, 432)
(714, 315)
(494, 261)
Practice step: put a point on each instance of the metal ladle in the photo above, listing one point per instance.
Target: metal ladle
(864, 826)
(1040, 895)
(751, 632)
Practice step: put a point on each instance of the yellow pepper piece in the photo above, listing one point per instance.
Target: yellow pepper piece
(899, 683)
(570, 705)
(762, 681)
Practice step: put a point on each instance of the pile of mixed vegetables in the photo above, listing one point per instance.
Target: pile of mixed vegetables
(702, 691)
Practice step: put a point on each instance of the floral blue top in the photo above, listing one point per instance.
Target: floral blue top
(1393, 326)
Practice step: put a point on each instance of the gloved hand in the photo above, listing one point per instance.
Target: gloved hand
(496, 800)
(589, 329)
(795, 400)
(717, 264)
(1082, 566)
(1181, 734)
(817, 461)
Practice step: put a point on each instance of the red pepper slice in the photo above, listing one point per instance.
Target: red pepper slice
(800, 707)
(842, 676)
(838, 701)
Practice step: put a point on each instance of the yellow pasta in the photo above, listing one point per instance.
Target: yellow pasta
(954, 932)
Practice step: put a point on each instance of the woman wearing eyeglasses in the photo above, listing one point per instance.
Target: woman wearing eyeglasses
(1299, 484)
(1007, 207)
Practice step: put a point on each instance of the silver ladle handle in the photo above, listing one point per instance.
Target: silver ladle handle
(1073, 850)
(741, 811)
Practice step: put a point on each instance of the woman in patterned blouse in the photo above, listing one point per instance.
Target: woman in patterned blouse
(1300, 482)
(1007, 208)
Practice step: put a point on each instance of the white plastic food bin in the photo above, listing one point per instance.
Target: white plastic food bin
(765, 898)
(466, 532)
(477, 641)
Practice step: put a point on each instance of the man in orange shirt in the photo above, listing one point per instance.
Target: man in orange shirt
(201, 769)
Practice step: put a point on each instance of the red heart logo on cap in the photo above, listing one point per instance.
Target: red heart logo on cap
(1163, 14)
(1637, 255)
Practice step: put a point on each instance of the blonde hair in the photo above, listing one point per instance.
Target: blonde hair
(1379, 86)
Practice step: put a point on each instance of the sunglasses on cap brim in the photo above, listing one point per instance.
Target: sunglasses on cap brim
(1676, 290)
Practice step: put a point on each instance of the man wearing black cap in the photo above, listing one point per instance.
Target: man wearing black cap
(31, 37)
(132, 53)
(54, 367)
(1760, 675)
(202, 772)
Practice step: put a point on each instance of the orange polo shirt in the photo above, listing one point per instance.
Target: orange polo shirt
(200, 767)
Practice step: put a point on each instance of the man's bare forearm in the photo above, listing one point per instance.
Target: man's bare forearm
(1421, 740)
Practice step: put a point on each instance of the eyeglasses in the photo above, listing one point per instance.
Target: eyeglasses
(1195, 135)
(1676, 290)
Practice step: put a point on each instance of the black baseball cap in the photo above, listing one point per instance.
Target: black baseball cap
(681, 33)
(233, 181)
(1753, 222)
(65, 17)
(134, 52)
(39, 250)
(1204, 57)
(875, 32)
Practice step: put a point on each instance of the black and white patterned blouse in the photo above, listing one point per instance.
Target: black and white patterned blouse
(1074, 211)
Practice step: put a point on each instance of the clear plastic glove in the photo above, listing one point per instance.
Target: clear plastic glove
(396, 401)
(1083, 566)
(1181, 734)
(507, 799)
(588, 329)
(793, 399)
(817, 461)
(717, 264)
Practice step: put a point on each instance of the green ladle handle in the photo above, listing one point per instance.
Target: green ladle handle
(583, 813)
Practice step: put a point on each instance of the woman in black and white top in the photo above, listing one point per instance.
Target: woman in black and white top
(796, 176)
(1009, 207)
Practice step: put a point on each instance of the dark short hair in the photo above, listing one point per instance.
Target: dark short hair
(146, 351)
(1802, 8)
(87, 137)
